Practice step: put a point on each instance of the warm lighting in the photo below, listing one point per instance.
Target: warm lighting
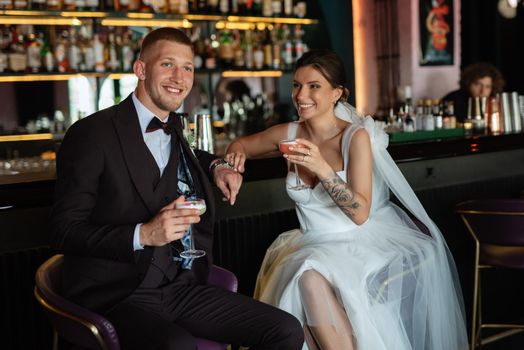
(37, 20)
(44, 77)
(237, 25)
(126, 22)
(282, 20)
(140, 15)
(358, 49)
(247, 74)
(83, 14)
(27, 137)
(218, 124)
(117, 76)
(203, 18)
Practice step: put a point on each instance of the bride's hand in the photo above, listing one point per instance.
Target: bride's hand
(310, 158)
(236, 160)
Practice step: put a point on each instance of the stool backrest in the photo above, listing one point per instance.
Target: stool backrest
(495, 221)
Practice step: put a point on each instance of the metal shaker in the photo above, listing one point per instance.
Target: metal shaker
(204, 133)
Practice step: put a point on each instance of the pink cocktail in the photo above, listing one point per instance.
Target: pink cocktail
(284, 146)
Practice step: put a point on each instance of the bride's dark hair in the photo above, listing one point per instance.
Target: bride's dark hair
(327, 63)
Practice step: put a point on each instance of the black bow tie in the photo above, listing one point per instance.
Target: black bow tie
(156, 124)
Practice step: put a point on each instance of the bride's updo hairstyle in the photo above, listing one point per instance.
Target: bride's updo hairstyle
(327, 63)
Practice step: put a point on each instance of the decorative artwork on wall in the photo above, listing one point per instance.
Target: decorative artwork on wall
(436, 32)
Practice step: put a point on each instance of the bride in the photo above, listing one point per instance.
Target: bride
(359, 273)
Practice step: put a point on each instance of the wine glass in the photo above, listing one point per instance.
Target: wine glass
(192, 203)
(284, 146)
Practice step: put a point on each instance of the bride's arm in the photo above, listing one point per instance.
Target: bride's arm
(354, 196)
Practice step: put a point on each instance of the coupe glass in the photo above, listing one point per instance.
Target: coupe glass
(284, 146)
(193, 203)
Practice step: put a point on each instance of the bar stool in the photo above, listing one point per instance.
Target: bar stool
(497, 227)
(85, 329)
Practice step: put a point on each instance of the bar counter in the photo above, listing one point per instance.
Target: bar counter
(442, 173)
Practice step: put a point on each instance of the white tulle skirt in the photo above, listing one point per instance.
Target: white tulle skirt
(396, 284)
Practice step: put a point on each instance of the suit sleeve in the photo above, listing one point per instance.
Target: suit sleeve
(80, 164)
(205, 159)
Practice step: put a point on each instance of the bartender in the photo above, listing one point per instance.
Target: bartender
(476, 80)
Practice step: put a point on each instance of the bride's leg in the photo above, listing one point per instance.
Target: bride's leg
(326, 318)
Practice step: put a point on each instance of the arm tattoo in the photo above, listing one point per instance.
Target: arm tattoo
(342, 195)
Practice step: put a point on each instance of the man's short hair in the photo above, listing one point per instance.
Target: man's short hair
(165, 33)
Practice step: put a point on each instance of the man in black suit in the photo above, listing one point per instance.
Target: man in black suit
(120, 174)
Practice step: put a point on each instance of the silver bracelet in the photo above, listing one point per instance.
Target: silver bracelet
(220, 162)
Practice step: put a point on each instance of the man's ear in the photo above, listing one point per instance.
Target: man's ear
(139, 68)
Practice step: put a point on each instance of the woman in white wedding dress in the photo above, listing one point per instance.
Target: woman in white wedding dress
(359, 273)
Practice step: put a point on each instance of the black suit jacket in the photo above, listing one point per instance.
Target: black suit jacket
(105, 186)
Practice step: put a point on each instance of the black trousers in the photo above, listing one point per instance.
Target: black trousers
(172, 316)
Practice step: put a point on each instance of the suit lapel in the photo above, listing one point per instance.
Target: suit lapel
(140, 163)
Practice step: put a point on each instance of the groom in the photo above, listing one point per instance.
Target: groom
(120, 174)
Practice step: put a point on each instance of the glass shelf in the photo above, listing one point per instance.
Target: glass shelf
(129, 18)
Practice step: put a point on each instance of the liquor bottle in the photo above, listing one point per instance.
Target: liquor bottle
(21, 4)
(258, 55)
(429, 119)
(248, 50)
(239, 47)
(174, 6)
(38, 4)
(198, 46)
(184, 7)
(98, 49)
(438, 114)
(213, 6)
(60, 51)
(468, 122)
(224, 7)
(419, 115)
(81, 5)
(46, 55)
(300, 9)
(287, 47)
(146, 6)
(267, 8)
(233, 7)
(69, 5)
(277, 35)
(226, 50)
(6, 5)
(92, 5)
(33, 49)
(299, 45)
(256, 9)
(53, 5)
(127, 53)
(478, 120)
(86, 47)
(267, 47)
(112, 52)
(74, 53)
(210, 61)
(108, 5)
(276, 8)
(288, 8)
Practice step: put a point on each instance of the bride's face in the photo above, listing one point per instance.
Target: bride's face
(312, 93)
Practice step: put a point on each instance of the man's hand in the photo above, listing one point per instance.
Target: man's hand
(228, 181)
(170, 224)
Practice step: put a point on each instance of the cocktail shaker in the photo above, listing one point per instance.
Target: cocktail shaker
(204, 133)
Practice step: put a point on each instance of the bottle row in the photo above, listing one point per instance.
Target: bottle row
(34, 49)
(266, 8)
(429, 115)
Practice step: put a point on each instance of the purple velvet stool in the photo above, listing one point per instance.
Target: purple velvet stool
(88, 330)
(497, 227)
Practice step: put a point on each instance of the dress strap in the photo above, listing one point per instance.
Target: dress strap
(346, 141)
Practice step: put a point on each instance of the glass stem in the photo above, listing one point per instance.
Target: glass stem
(191, 241)
(297, 178)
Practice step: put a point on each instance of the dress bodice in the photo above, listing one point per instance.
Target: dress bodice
(315, 208)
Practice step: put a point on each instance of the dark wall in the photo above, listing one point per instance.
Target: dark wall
(489, 37)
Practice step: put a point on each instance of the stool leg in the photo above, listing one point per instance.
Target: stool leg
(476, 289)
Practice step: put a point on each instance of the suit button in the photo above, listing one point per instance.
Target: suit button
(153, 259)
